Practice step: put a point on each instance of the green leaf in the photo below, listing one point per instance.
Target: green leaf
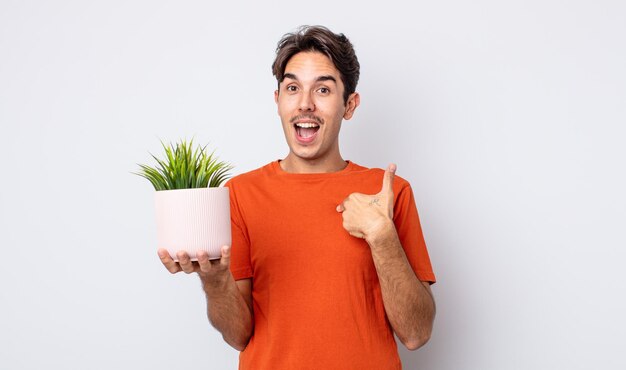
(184, 166)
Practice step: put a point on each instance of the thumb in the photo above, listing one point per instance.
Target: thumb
(388, 179)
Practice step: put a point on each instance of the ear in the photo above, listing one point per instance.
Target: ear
(276, 96)
(353, 102)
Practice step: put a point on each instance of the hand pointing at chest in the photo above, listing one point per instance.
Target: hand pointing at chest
(364, 215)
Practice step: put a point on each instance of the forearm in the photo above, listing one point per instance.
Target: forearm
(228, 312)
(409, 305)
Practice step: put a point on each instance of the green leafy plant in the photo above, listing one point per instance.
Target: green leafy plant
(185, 168)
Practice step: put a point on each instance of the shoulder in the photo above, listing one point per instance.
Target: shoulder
(250, 176)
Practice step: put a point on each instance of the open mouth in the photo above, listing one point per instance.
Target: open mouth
(306, 130)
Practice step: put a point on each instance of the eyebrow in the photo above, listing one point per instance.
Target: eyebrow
(320, 78)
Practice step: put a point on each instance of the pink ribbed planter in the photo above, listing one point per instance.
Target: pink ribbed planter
(193, 220)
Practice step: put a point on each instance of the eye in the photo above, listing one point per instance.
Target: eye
(291, 88)
(323, 90)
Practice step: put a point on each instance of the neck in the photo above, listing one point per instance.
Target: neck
(293, 164)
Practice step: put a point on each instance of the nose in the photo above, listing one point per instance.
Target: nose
(306, 103)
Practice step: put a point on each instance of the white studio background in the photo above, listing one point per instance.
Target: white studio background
(507, 117)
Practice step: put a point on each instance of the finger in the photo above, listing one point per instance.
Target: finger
(185, 262)
(356, 234)
(203, 261)
(163, 255)
(388, 179)
(225, 260)
(340, 208)
(167, 261)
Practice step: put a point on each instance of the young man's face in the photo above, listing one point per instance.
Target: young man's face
(311, 108)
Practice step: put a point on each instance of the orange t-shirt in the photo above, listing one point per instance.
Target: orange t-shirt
(316, 295)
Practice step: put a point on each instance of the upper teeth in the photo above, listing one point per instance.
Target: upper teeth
(307, 125)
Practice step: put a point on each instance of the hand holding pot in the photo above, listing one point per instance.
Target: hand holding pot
(210, 271)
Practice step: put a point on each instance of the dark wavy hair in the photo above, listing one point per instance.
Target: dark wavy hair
(336, 47)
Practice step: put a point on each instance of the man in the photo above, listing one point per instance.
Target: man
(328, 259)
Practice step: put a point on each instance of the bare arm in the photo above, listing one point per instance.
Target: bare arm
(229, 302)
(409, 303)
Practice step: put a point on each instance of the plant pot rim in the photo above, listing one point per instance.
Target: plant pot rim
(213, 188)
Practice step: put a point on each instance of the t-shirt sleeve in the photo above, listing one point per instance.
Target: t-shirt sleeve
(410, 233)
(240, 265)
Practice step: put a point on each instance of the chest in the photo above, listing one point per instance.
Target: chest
(299, 234)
